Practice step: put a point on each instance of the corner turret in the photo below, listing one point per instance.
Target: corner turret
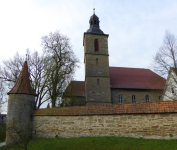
(21, 105)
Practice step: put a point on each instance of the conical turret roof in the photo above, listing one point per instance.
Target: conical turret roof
(22, 85)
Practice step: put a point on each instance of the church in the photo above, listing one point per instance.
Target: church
(106, 85)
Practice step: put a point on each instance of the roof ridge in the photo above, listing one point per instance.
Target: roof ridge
(128, 67)
(133, 75)
(77, 81)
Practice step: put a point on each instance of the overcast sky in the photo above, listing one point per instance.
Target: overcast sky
(136, 28)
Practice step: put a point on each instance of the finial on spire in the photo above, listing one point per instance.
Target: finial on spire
(26, 57)
(93, 10)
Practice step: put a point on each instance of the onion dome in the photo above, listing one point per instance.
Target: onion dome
(94, 24)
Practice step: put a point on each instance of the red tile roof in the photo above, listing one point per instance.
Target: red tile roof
(22, 85)
(131, 108)
(135, 78)
(77, 88)
(129, 78)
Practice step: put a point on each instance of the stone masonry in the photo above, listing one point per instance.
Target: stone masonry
(153, 120)
(21, 105)
(20, 109)
(89, 43)
(97, 94)
(97, 79)
(97, 69)
(126, 95)
(132, 125)
(139, 93)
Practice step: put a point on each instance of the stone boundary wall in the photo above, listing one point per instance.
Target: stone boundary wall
(130, 108)
(147, 120)
(152, 126)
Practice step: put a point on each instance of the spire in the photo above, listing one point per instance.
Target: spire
(48, 106)
(22, 85)
(94, 24)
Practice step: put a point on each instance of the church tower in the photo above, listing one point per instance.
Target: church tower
(96, 59)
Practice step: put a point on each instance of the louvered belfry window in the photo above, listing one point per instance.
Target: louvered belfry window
(96, 45)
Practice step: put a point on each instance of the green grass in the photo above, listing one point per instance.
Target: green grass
(99, 143)
(2, 132)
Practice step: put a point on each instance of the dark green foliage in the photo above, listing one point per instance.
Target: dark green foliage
(171, 135)
(100, 143)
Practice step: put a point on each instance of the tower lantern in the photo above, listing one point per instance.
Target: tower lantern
(94, 24)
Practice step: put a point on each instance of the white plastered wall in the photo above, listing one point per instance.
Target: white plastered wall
(171, 83)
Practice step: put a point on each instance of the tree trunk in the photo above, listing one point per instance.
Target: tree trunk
(54, 96)
(53, 101)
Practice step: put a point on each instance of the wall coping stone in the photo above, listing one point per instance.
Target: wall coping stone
(129, 108)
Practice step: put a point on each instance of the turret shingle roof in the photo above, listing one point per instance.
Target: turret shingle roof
(22, 85)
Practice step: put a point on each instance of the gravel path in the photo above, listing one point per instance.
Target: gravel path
(2, 144)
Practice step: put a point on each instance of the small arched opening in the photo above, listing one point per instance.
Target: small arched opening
(147, 98)
(96, 45)
(96, 60)
(98, 82)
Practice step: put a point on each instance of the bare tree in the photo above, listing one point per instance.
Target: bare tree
(62, 64)
(19, 134)
(165, 64)
(10, 71)
(1, 93)
(3, 97)
(38, 77)
(50, 73)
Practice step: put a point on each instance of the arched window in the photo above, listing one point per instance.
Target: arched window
(96, 60)
(172, 91)
(133, 99)
(97, 81)
(147, 98)
(91, 22)
(96, 45)
(120, 99)
(94, 21)
(160, 97)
